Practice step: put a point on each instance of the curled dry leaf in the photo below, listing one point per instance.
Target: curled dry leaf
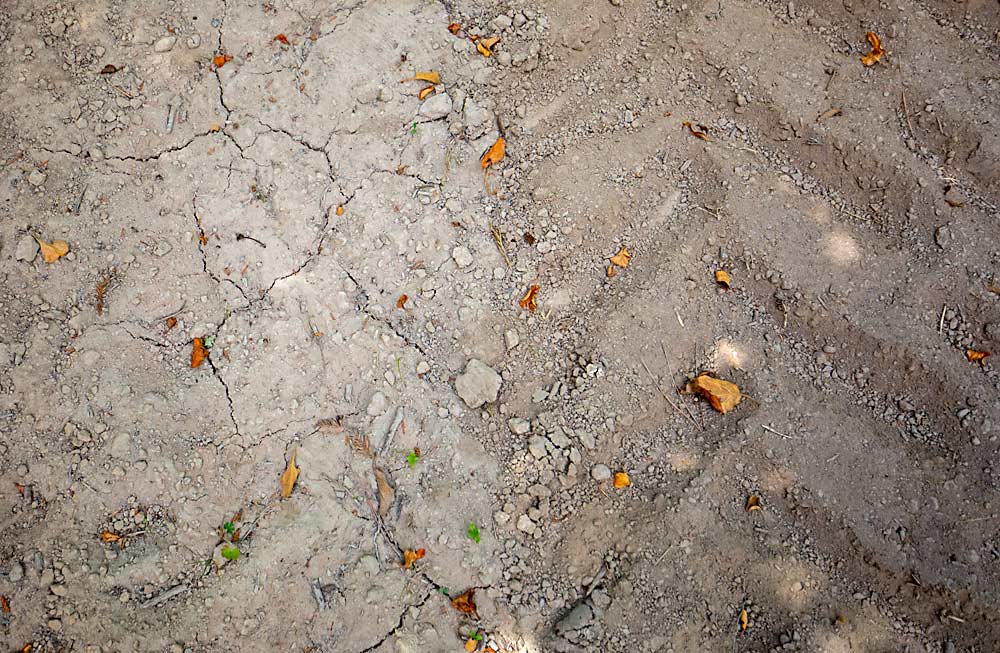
(52, 252)
(109, 69)
(340, 210)
(431, 77)
(386, 493)
(621, 480)
(409, 557)
(753, 503)
(612, 271)
(281, 38)
(214, 128)
(744, 619)
(494, 154)
(722, 395)
(528, 301)
(722, 278)
(454, 28)
(976, 356)
(465, 602)
(622, 258)
(221, 60)
(401, 302)
(424, 92)
(171, 322)
(485, 46)
(829, 113)
(699, 131)
(4, 603)
(20, 488)
(198, 352)
(288, 478)
(875, 55)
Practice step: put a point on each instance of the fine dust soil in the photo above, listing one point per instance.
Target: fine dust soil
(263, 177)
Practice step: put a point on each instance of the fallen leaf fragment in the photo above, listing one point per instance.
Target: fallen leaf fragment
(424, 92)
(454, 27)
(221, 60)
(281, 38)
(27, 648)
(340, 210)
(485, 46)
(829, 113)
(976, 356)
(431, 77)
(386, 493)
(171, 322)
(697, 132)
(214, 128)
(621, 480)
(753, 503)
(465, 602)
(108, 537)
(288, 478)
(409, 557)
(722, 395)
(722, 278)
(109, 69)
(52, 252)
(494, 154)
(875, 55)
(612, 271)
(471, 645)
(622, 258)
(198, 352)
(744, 619)
(4, 603)
(528, 301)
(20, 488)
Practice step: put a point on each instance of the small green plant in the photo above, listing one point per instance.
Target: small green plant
(229, 527)
(208, 341)
(413, 129)
(475, 636)
(230, 553)
(444, 590)
(473, 532)
(411, 458)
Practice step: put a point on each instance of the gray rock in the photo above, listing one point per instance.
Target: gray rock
(536, 447)
(519, 425)
(511, 338)
(462, 256)
(16, 572)
(559, 438)
(36, 178)
(436, 106)
(524, 524)
(377, 405)
(600, 472)
(26, 249)
(943, 237)
(478, 384)
(580, 616)
(502, 22)
(165, 44)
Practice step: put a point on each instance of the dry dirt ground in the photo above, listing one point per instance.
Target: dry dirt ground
(333, 242)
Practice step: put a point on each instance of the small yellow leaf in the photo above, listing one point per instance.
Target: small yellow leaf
(108, 536)
(485, 46)
(612, 271)
(753, 503)
(289, 477)
(529, 300)
(744, 619)
(198, 352)
(722, 395)
(424, 92)
(699, 131)
(431, 77)
(976, 356)
(409, 557)
(471, 645)
(52, 252)
(340, 210)
(213, 128)
(875, 55)
(722, 278)
(621, 480)
(494, 154)
(622, 258)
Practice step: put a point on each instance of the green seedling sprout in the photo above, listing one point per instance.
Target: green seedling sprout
(230, 553)
(473, 532)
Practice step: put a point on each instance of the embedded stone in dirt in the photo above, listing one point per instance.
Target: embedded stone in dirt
(436, 106)
(478, 385)
(26, 249)
(600, 472)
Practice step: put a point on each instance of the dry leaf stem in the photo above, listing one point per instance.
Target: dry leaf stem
(664, 395)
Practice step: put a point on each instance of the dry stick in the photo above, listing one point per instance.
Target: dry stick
(941, 323)
(664, 394)
(670, 373)
(769, 429)
(499, 242)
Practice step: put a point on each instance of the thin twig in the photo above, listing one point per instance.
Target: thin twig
(670, 374)
(499, 242)
(941, 323)
(769, 429)
(664, 394)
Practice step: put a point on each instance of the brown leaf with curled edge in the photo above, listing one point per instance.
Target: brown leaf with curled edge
(52, 252)
(528, 301)
(288, 478)
(281, 38)
(171, 322)
(753, 503)
(221, 60)
(454, 28)
(875, 55)
(108, 537)
(976, 356)
(744, 620)
(722, 395)
(829, 113)
(27, 648)
(612, 271)
(401, 302)
(494, 154)
(4, 603)
(465, 602)
(409, 557)
(424, 92)
(386, 493)
(109, 69)
(622, 258)
(198, 352)
(621, 480)
(431, 77)
(722, 278)
(485, 46)
(699, 131)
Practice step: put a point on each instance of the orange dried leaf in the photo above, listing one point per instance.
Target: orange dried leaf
(976, 356)
(875, 55)
(431, 77)
(722, 278)
(622, 258)
(281, 38)
(27, 648)
(386, 493)
(528, 301)
(288, 478)
(213, 128)
(471, 645)
(52, 252)
(494, 154)
(454, 27)
(401, 302)
(612, 271)
(753, 503)
(409, 557)
(485, 46)
(744, 619)
(829, 113)
(722, 395)
(4, 603)
(20, 488)
(424, 92)
(221, 60)
(697, 131)
(621, 480)
(198, 352)
(171, 322)
(108, 537)
(340, 210)
(465, 602)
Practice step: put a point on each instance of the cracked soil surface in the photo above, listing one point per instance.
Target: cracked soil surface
(262, 179)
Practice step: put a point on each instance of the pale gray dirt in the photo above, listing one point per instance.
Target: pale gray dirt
(331, 239)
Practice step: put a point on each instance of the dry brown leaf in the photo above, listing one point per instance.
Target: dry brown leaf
(410, 556)
(744, 619)
(612, 271)
(401, 302)
(621, 480)
(698, 132)
(622, 258)
(722, 395)
(288, 478)
(976, 356)
(386, 493)
(829, 113)
(431, 77)
(485, 46)
(109, 69)
(4, 603)
(465, 602)
(27, 648)
(722, 278)
(875, 55)
(993, 288)
(454, 27)
(281, 38)
(494, 154)
(198, 352)
(753, 503)
(528, 301)
(108, 537)
(171, 322)
(471, 645)
(214, 128)
(52, 252)
(424, 92)
(221, 60)
(340, 210)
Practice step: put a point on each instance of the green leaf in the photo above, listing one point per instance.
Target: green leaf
(443, 590)
(411, 459)
(473, 532)
(476, 636)
(230, 553)
(229, 527)
(208, 341)
(413, 129)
